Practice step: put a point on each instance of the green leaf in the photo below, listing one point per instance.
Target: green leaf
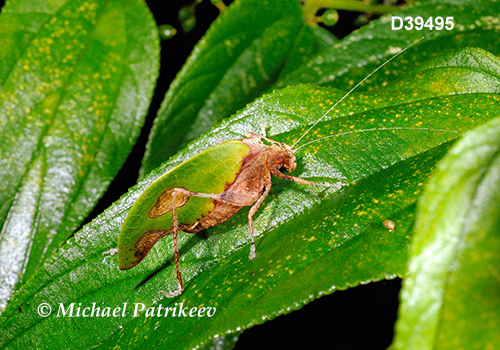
(346, 63)
(381, 146)
(76, 78)
(451, 299)
(239, 57)
(312, 42)
(310, 57)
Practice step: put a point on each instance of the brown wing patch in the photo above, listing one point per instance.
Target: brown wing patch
(146, 242)
(165, 201)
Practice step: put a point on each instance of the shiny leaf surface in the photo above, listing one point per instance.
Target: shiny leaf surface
(76, 78)
(378, 147)
(451, 299)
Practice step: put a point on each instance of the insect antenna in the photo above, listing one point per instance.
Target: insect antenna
(356, 86)
(375, 129)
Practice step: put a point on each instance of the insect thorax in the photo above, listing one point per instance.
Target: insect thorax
(280, 155)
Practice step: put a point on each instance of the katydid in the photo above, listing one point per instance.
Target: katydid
(235, 174)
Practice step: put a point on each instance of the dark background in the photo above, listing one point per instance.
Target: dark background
(358, 318)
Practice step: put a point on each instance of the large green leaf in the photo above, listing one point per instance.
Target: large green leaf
(240, 56)
(381, 146)
(344, 64)
(308, 55)
(451, 299)
(76, 78)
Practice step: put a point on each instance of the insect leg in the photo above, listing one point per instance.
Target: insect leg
(218, 197)
(253, 210)
(299, 180)
(180, 289)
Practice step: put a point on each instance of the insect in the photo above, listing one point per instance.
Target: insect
(235, 174)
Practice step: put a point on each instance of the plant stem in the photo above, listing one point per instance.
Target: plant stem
(312, 6)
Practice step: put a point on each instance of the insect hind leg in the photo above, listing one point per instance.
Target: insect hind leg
(180, 282)
(181, 192)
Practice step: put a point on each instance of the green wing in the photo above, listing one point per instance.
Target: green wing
(207, 172)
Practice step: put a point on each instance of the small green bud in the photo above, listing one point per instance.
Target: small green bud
(166, 31)
(330, 17)
(189, 23)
